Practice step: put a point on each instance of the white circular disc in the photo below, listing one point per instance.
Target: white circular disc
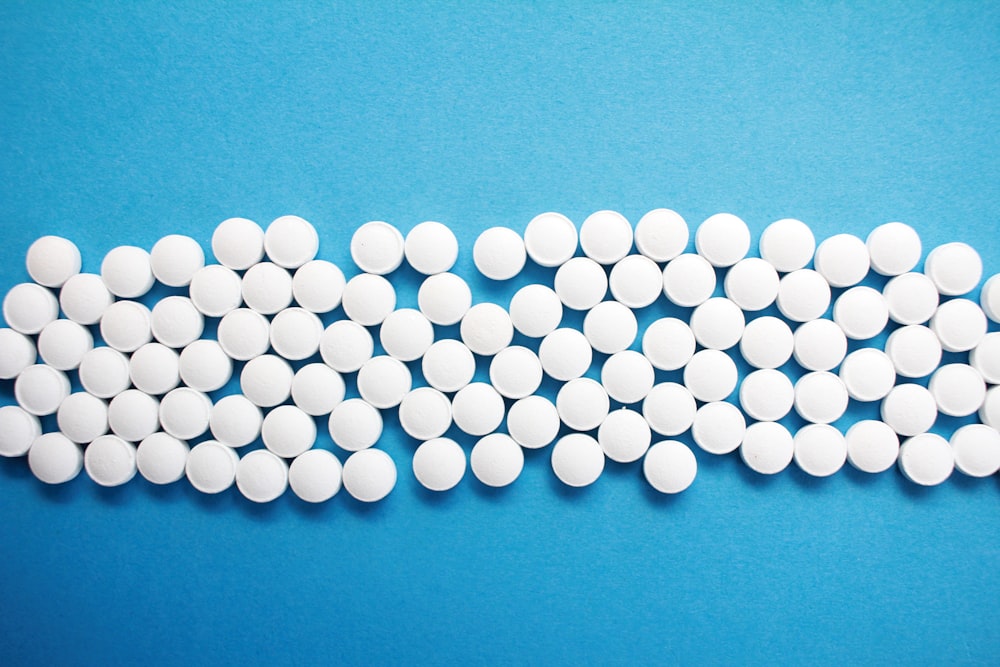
(752, 284)
(535, 310)
(669, 408)
(160, 458)
(486, 329)
(723, 239)
(894, 248)
(688, 280)
(52, 260)
(104, 372)
(668, 343)
(624, 435)
(977, 450)
(235, 421)
(110, 461)
(315, 476)
(909, 409)
(606, 237)
(515, 372)
(661, 235)
(54, 458)
(914, 349)
(718, 324)
(84, 298)
(819, 345)
(582, 404)
(174, 259)
(636, 281)
(577, 460)
(431, 248)
(989, 298)
(496, 460)
(377, 247)
(581, 283)
(318, 286)
(820, 450)
(345, 346)
(911, 298)
(787, 245)
(872, 446)
(439, 464)
(40, 389)
(266, 380)
(238, 243)
(477, 409)
(767, 395)
(406, 334)
(843, 260)
(63, 343)
(244, 334)
(28, 307)
(955, 268)
(861, 312)
(384, 381)
(803, 295)
(767, 342)
(368, 299)
(669, 466)
(958, 389)
(175, 322)
(82, 417)
(133, 415)
(154, 369)
(444, 298)
(126, 272)
(261, 476)
(17, 352)
(448, 365)
(610, 327)
(767, 448)
(868, 374)
(627, 376)
(926, 459)
(959, 324)
(565, 354)
(296, 333)
(267, 288)
(317, 389)
(711, 375)
(185, 413)
(204, 366)
(533, 422)
(425, 413)
(18, 429)
(355, 425)
(820, 397)
(499, 254)
(290, 241)
(550, 239)
(215, 290)
(985, 357)
(718, 427)
(125, 326)
(288, 431)
(211, 467)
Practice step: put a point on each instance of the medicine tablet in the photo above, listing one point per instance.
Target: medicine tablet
(296, 333)
(318, 286)
(477, 409)
(550, 239)
(377, 247)
(261, 476)
(787, 245)
(926, 459)
(290, 241)
(185, 413)
(985, 357)
(126, 272)
(205, 366)
(872, 446)
(610, 327)
(161, 458)
(369, 475)
(267, 288)
(40, 389)
(582, 404)
(533, 422)
(28, 307)
(803, 295)
(448, 365)
(565, 354)
(235, 421)
(627, 376)
(515, 372)
(606, 237)
(425, 413)
(767, 342)
(861, 312)
(668, 343)
(752, 284)
(368, 299)
(244, 334)
(581, 283)
(914, 349)
(717, 324)
(767, 395)
(820, 450)
(215, 290)
(174, 259)
(18, 429)
(688, 280)
(439, 464)
(384, 381)
(989, 413)
(175, 322)
(110, 461)
(977, 450)
(345, 346)
(669, 408)
(718, 427)
(661, 235)
(819, 345)
(154, 369)
(52, 260)
(496, 460)
(17, 352)
(84, 297)
(317, 389)
(535, 310)
(499, 253)
(958, 389)
(444, 298)
(82, 417)
(911, 298)
(868, 374)
(133, 415)
(767, 448)
(315, 476)
(431, 248)
(54, 458)
(842, 260)
(238, 243)
(577, 460)
(711, 375)
(909, 409)
(670, 466)
(820, 397)
(266, 380)
(125, 326)
(959, 324)
(288, 431)
(355, 425)
(406, 334)
(723, 239)
(624, 435)
(62, 344)
(486, 329)
(104, 372)
(955, 268)
(636, 281)
(211, 467)
(989, 298)
(894, 248)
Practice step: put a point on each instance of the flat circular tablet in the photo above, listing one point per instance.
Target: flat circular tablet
(355, 425)
(577, 460)
(18, 429)
(448, 365)
(499, 253)
(565, 354)
(496, 460)
(185, 413)
(668, 343)
(40, 389)
(723, 239)
(989, 298)
(318, 286)
(425, 413)
(244, 334)
(296, 333)
(535, 310)
(28, 307)
(610, 327)
(444, 298)
(624, 435)
(803, 295)
(911, 298)
(110, 461)
(406, 334)
(126, 272)
(767, 448)
(515, 372)
(317, 389)
(533, 422)
(54, 458)
(661, 235)
(752, 284)
(104, 372)
(958, 389)
(486, 329)
(431, 248)
(581, 283)
(955, 268)
(842, 260)
(767, 395)
(550, 239)
(290, 241)
(894, 248)
(959, 324)
(288, 431)
(914, 349)
(582, 404)
(711, 375)
(872, 446)
(315, 476)
(160, 458)
(267, 288)
(235, 421)
(377, 247)
(125, 326)
(718, 427)
(211, 467)
(636, 281)
(133, 415)
(238, 243)
(669, 466)
(820, 450)
(52, 260)
(84, 297)
(989, 413)
(368, 299)
(627, 376)
(984, 357)
(384, 381)
(819, 345)
(17, 352)
(175, 258)
(204, 366)
(215, 290)
(926, 459)
(909, 409)
(718, 324)
(787, 245)
(477, 409)
(767, 342)
(175, 322)
(861, 312)
(261, 476)
(62, 344)
(688, 280)
(266, 380)
(439, 464)
(820, 397)
(82, 417)
(606, 237)
(868, 374)
(154, 369)
(345, 346)
(977, 450)
(669, 408)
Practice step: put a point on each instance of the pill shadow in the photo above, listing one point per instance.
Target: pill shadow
(61, 494)
(493, 494)
(658, 499)
(915, 491)
(438, 499)
(113, 496)
(317, 512)
(213, 503)
(859, 477)
(15, 468)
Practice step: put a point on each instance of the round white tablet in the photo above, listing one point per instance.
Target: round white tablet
(84, 297)
(82, 417)
(296, 333)
(627, 376)
(550, 239)
(610, 327)
(486, 329)
(688, 280)
(368, 299)
(955, 268)
(668, 343)
(894, 248)
(533, 422)
(384, 381)
(318, 286)
(18, 429)
(161, 458)
(661, 235)
(133, 415)
(315, 476)
(565, 354)
(62, 344)
(125, 326)
(718, 427)
(669, 408)
(989, 298)
(290, 241)
(787, 245)
(235, 421)
(17, 352)
(767, 448)
(820, 397)
(803, 295)
(515, 372)
(752, 284)
(477, 409)
(723, 239)
(624, 435)
(989, 413)
(606, 237)
(355, 425)
(266, 380)
(126, 272)
(261, 476)
(711, 375)
(317, 389)
(288, 431)
(581, 283)
(767, 342)
(377, 247)
(959, 324)
(238, 243)
(926, 459)
(439, 464)
(977, 450)
(985, 357)
(406, 334)
(185, 413)
(110, 461)
(215, 290)
(40, 389)
(497, 460)
(718, 324)
(868, 374)
(861, 312)
(205, 366)
(431, 248)
(872, 446)
(444, 298)
(448, 365)
(345, 346)
(211, 467)
(636, 281)
(267, 288)
(425, 413)
(154, 369)
(175, 258)
(582, 404)
(911, 298)
(767, 395)
(499, 253)
(820, 450)
(104, 372)
(535, 310)
(670, 466)
(914, 349)
(819, 345)
(175, 322)
(28, 307)
(244, 334)
(54, 458)
(52, 260)
(577, 460)
(842, 260)
(909, 409)
(958, 389)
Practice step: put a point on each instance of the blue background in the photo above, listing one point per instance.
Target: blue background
(122, 124)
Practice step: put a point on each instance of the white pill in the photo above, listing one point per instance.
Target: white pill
(82, 417)
(581, 283)
(989, 298)
(565, 354)
(624, 435)
(606, 237)
(977, 450)
(18, 429)
(718, 324)
(110, 461)
(238, 243)
(84, 297)
(535, 310)
(369, 475)
(670, 466)
(205, 366)
(909, 409)
(820, 397)
(911, 298)
(477, 408)
(550, 239)
(317, 389)
(787, 245)
(126, 272)
(406, 334)
(486, 329)
(872, 446)
(384, 381)
(668, 343)
(661, 235)
(868, 374)
(958, 389)
(959, 324)
(355, 425)
(62, 344)
(211, 467)
(627, 376)
(174, 259)
(288, 431)
(723, 239)
(52, 260)
(577, 460)
(515, 372)
(266, 380)
(261, 476)
(28, 307)
(444, 298)
(126, 326)
(926, 459)
(669, 408)
(767, 395)
(448, 365)
(767, 448)
(104, 372)
(861, 312)
(244, 334)
(711, 375)
(499, 253)
(688, 280)
(267, 288)
(803, 295)
(533, 422)
(439, 464)
(154, 369)
(431, 248)
(54, 458)
(345, 346)
(718, 427)
(582, 404)
(17, 352)
(610, 327)
(985, 357)
(636, 281)
(235, 421)
(175, 322)
(215, 290)
(161, 458)
(40, 389)
(955, 268)
(185, 413)
(820, 450)
(318, 286)
(290, 241)
(496, 460)
(842, 260)
(425, 413)
(819, 345)
(296, 333)
(894, 248)
(377, 247)
(315, 476)
(368, 299)
(767, 342)
(915, 350)
(752, 284)
(133, 415)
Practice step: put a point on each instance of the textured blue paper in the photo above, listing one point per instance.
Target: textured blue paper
(119, 125)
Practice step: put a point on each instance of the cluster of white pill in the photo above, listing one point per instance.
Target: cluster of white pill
(156, 386)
